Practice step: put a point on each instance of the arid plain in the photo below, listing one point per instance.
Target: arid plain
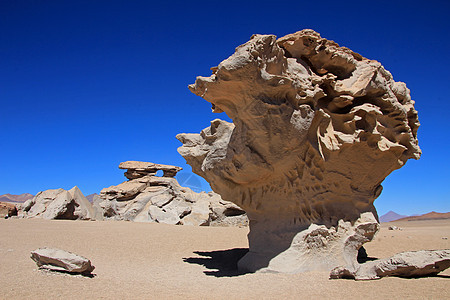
(158, 261)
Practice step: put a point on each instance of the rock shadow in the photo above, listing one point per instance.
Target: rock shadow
(363, 257)
(366, 259)
(50, 271)
(222, 263)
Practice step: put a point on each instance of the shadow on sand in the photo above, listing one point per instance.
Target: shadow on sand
(49, 271)
(222, 263)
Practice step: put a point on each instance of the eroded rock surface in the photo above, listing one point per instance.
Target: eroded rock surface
(146, 197)
(316, 129)
(406, 264)
(60, 260)
(58, 204)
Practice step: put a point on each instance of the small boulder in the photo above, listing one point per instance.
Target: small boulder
(394, 228)
(60, 260)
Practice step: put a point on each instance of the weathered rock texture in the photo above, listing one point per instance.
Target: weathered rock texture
(405, 264)
(149, 198)
(58, 204)
(60, 260)
(316, 129)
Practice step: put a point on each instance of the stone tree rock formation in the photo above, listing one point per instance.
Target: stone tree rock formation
(146, 197)
(316, 129)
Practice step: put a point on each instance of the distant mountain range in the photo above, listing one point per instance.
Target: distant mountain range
(429, 216)
(391, 216)
(15, 198)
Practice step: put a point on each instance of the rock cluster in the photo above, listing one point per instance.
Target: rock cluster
(146, 197)
(316, 129)
(58, 204)
(60, 260)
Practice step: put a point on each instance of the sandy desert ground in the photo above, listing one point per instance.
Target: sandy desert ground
(156, 261)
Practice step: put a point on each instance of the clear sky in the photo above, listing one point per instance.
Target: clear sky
(85, 85)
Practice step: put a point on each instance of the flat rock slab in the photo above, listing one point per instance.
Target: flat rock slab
(143, 165)
(137, 168)
(409, 264)
(60, 260)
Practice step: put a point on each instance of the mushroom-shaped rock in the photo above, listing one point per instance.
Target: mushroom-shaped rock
(316, 129)
(60, 260)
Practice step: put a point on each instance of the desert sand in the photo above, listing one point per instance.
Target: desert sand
(158, 261)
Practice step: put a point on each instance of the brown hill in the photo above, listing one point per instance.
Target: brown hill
(429, 216)
(15, 198)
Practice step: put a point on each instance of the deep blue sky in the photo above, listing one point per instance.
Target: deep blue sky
(85, 85)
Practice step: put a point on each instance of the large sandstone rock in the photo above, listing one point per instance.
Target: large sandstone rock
(316, 129)
(58, 204)
(60, 260)
(146, 197)
(406, 264)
